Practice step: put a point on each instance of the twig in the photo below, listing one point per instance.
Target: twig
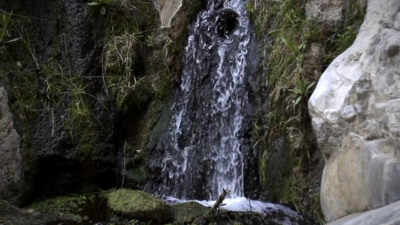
(220, 199)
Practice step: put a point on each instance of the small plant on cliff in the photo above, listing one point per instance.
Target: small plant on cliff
(302, 89)
(119, 55)
(102, 5)
(5, 21)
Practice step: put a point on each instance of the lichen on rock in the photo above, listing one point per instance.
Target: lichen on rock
(139, 205)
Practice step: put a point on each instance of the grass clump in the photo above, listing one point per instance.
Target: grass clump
(102, 5)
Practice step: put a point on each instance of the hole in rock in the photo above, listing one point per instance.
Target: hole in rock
(226, 22)
(218, 4)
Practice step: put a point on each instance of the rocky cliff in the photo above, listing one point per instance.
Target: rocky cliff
(82, 87)
(355, 114)
(86, 90)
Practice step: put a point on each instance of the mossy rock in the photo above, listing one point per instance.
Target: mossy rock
(187, 212)
(67, 207)
(139, 205)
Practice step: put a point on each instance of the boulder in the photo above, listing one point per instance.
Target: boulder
(139, 205)
(187, 212)
(11, 169)
(389, 215)
(355, 112)
(332, 13)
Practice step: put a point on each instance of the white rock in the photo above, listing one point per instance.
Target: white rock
(331, 13)
(167, 10)
(10, 155)
(355, 111)
(388, 215)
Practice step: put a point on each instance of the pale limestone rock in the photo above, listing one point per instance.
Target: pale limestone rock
(355, 111)
(331, 13)
(167, 10)
(326, 11)
(10, 155)
(388, 215)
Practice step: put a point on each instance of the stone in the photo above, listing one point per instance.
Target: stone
(11, 215)
(139, 205)
(326, 11)
(167, 10)
(355, 112)
(185, 213)
(389, 215)
(331, 13)
(11, 166)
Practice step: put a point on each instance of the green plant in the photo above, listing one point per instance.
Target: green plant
(133, 222)
(67, 206)
(102, 5)
(345, 38)
(263, 169)
(258, 12)
(5, 21)
(119, 56)
(149, 41)
(302, 89)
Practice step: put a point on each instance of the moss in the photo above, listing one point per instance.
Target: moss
(85, 139)
(138, 175)
(187, 212)
(69, 207)
(164, 90)
(138, 205)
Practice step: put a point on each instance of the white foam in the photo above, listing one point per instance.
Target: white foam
(241, 204)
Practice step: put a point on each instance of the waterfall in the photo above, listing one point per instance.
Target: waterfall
(206, 150)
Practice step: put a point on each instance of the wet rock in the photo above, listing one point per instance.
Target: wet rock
(11, 165)
(226, 22)
(273, 217)
(355, 112)
(389, 214)
(211, 114)
(139, 205)
(187, 212)
(11, 215)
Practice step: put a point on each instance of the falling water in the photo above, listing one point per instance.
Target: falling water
(206, 150)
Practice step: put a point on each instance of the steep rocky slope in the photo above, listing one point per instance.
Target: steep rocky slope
(86, 84)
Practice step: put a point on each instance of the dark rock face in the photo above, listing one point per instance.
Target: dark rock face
(61, 156)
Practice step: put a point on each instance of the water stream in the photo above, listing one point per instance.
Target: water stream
(206, 153)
